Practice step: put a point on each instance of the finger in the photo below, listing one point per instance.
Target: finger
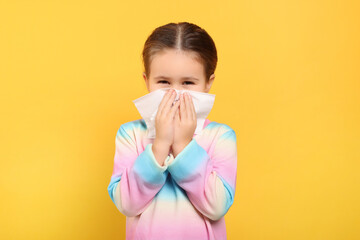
(182, 107)
(169, 104)
(177, 113)
(193, 113)
(165, 100)
(188, 107)
(174, 109)
(177, 116)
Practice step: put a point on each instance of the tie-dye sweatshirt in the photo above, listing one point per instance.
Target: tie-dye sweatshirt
(186, 198)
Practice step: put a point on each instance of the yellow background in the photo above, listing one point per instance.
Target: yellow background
(287, 82)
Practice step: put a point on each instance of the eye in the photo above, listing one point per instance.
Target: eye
(188, 82)
(162, 81)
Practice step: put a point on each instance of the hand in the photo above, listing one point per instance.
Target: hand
(184, 124)
(164, 126)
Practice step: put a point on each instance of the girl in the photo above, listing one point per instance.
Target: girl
(180, 184)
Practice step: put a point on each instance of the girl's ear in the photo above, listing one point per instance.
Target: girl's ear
(209, 83)
(146, 81)
(144, 76)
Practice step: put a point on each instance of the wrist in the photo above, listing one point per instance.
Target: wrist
(161, 144)
(160, 151)
(177, 148)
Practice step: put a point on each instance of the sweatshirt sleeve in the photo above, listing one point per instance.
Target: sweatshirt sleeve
(208, 181)
(136, 178)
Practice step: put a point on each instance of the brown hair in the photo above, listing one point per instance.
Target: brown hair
(183, 36)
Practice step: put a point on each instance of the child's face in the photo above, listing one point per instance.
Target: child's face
(170, 69)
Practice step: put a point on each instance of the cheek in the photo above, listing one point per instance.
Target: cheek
(153, 86)
(157, 86)
(197, 88)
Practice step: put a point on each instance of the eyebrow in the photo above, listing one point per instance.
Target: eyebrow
(184, 78)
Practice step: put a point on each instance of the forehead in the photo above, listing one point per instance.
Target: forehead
(176, 64)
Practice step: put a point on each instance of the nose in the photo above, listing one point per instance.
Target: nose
(178, 90)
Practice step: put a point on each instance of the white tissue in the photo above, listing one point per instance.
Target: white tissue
(148, 105)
